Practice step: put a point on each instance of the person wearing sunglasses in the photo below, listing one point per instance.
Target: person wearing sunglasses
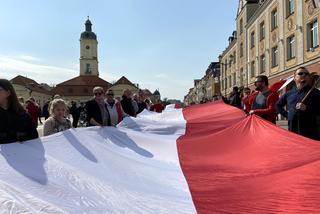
(15, 124)
(96, 109)
(262, 102)
(302, 116)
(114, 108)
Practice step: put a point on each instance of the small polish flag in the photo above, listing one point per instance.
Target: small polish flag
(278, 86)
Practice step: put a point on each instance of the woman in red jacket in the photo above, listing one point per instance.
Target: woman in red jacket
(33, 110)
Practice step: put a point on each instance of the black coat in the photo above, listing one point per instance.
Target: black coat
(301, 122)
(15, 127)
(235, 100)
(127, 106)
(93, 111)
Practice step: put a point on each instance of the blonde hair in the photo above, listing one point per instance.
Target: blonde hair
(98, 88)
(55, 103)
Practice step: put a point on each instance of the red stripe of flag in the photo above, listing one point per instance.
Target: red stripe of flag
(240, 165)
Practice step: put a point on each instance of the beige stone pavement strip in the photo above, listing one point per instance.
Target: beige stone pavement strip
(283, 124)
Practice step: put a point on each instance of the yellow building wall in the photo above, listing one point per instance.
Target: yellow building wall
(118, 90)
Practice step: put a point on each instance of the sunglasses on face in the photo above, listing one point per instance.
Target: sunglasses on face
(97, 93)
(303, 73)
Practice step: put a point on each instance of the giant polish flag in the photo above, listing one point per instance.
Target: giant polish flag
(207, 158)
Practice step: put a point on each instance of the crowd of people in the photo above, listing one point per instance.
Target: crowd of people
(300, 105)
(19, 118)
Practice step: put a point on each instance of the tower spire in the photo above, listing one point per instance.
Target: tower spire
(88, 25)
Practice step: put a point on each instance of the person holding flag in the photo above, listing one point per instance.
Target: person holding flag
(262, 102)
(303, 104)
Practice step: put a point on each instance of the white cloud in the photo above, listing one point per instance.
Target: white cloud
(34, 68)
(28, 58)
(13, 66)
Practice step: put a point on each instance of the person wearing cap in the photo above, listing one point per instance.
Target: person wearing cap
(15, 124)
(301, 115)
(96, 109)
(114, 108)
(262, 102)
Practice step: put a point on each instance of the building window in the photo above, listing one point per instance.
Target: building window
(252, 40)
(241, 50)
(312, 31)
(275, 55)
(290, 7)
(234, 79)
(274, 19)
(88, 68)
(234, 57)
(229, 81)
(291, 48)
(225, 65)
(241, 26)
(262, 31)
(262, 64)
(252, 69)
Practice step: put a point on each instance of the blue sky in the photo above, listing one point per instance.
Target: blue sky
(161, 44)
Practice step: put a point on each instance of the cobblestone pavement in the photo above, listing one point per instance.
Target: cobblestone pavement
(283, 124)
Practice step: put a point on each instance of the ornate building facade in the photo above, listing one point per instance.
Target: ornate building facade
(205, 88)
(273, 38)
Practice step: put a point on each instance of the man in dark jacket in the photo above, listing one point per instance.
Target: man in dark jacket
(96, 109)
(126, 103)
(74, 111)
(302, 116)
(234, 98)
(45, 110)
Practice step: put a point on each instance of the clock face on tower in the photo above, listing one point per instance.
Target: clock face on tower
(87, 47)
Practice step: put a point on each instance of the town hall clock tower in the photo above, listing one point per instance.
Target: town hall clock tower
(88, 52)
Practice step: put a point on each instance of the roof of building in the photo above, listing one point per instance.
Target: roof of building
(30, 84)
(88, 35)
(156, 92)
(146, 92)
(80, 86)
(88, 80)
(124, 81)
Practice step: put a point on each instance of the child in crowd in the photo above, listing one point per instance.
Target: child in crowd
(57, 121)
